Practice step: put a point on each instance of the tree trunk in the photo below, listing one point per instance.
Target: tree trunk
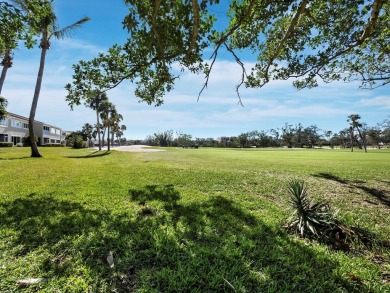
(112, 137)
(104, 134)
(351, 139)
(363, 139)
(34, 148)
(108, 137)
(6, 63)
(98, 127)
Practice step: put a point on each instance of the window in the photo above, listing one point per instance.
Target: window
(46, 128)
(52, 141)
(58, 132)
(46, 140)
(3, 137)
(52, 130)
(16, 123)
(3, 122)
(25, 125)
(58, 141)
(15, 139)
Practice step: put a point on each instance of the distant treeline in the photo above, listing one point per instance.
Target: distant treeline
(290, 136)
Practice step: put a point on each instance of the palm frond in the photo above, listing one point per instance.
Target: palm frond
(69, 30)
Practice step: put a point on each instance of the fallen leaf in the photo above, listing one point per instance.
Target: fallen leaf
(26, 282)
(110, 259)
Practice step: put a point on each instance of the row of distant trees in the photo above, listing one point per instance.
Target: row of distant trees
(357, 134)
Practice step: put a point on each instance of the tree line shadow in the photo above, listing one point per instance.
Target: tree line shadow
(11, 159)
(381, 195)
(205, 246)
(95, 154)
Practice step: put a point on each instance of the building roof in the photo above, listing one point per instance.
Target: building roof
(25, 118)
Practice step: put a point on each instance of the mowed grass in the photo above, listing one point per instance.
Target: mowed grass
(184, 220)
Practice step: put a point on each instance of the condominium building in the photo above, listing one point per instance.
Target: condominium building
(14, 127)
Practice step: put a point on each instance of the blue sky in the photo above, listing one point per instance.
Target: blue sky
(217, 113)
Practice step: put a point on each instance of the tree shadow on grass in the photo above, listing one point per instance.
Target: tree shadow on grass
(381, 195)
(193, 246)
(165, 193)
(11, 159)
(95, 154)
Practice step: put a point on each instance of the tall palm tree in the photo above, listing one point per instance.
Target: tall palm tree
(45, 21)
(6, 63)
(115, 127)
(107, 110)
(95, 103)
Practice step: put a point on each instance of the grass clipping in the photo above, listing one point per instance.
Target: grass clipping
(317, 221)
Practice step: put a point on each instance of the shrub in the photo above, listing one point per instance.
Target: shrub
(317, 221)
(77, 142)
(6, 144)
(308, 219)
(26, 140)
(53, 145)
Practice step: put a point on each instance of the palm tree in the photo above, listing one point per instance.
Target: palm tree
(107, 110)
(45, 21)
(13, 29)
(119, 133)
(115, 127)
(95, 103)
(6, 63)
(87, 130)
(328, 134)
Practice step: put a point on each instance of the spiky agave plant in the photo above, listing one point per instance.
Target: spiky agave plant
(308, 219)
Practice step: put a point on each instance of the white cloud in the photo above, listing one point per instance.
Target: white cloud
(78, 45)
(381, 101)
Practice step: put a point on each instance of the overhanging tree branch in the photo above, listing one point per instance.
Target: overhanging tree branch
(289, 31)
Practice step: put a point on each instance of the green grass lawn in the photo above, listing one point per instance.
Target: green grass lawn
(186, 220)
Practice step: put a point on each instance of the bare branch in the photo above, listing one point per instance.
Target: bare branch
(289, 31)
(222, 40)
(243, 75)
(195, 10)
(214, 57)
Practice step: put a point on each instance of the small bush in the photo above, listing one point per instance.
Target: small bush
(77, 142)
(53, 145)
(317, 221)
(308, 219)
(6, 144)
(27, 142)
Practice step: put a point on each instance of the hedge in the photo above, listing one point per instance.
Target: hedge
(53, 145)
(6, 144)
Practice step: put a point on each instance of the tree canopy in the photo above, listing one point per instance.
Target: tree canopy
(306, 40)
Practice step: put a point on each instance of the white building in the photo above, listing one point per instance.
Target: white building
(15, 127)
